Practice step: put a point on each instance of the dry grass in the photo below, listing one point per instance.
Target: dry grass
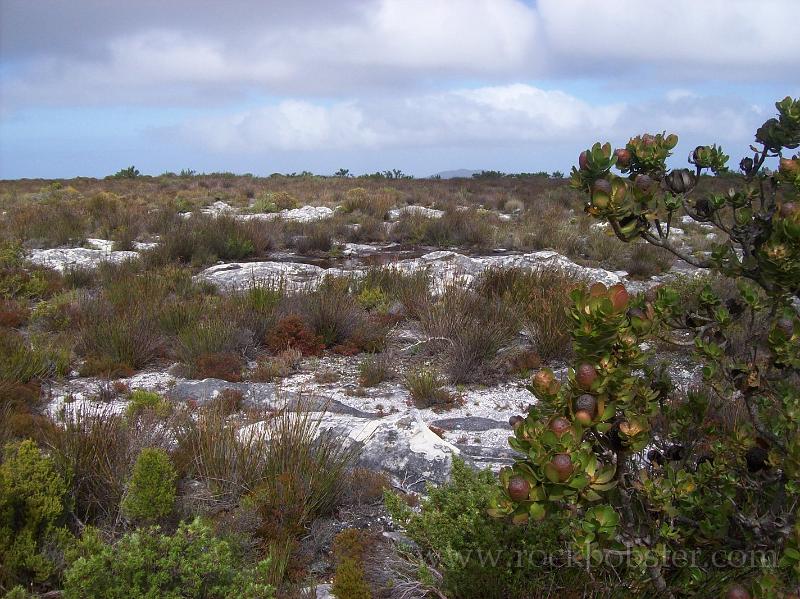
(539, 299)
(288, 469)
(474, 327)
(426, 387)
(97, 449)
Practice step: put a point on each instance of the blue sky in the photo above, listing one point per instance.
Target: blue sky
(88, 87)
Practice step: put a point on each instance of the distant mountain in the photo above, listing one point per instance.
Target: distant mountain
(460, 173)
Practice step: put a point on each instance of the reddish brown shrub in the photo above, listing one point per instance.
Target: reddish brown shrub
(348, 348)
(13, 314)
(226, 366)
(291, 332)
(106, 367)
(229, 401)
(524, 361)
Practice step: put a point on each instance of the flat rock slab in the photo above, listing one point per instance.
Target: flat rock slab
(471, 424)
(260, 394)
(306, 214)
(61, 259)
(445, 267)
(396, 213)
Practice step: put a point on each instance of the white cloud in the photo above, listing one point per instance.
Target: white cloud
(677, 39)
(495, 115)
(381, 46)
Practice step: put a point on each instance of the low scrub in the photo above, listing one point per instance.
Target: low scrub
(426, 387)
(116, 340)
(33, 507)
(374, 369)
(148, 562)
(150, 495)
(483, 558)
(539, 300)
(473, 329)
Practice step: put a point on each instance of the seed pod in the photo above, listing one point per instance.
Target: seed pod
(655, 457)
(737, 591)
(559, 425)
(518, 488)
(643, 182)
(585, 375)
(562, 464)
(586, 403)
(623, 156)
(680, 181)
(756, 458)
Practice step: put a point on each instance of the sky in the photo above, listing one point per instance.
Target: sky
(88, 87)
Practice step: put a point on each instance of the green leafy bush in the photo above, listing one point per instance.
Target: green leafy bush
(650, 473)
(141, 400)
(147, 563)
(486, 558)
(151, 490)
(32, 507)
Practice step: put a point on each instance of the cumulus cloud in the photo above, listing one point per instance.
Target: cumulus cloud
(96, 52)
(494, 115)
(675, 40)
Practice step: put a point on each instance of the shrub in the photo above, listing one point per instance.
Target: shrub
(474, 328)
(349, 549)
(13, 314)
(303, 472)
(274, 202)
(277, 367)
(19, 280)
(291, 332)
(20, 365)
(141, 401)
(98, 448)
(256, 308)
(374, 369)
(539, 299)
(151, 490)
(650, 472)
(224, 365)
(411, 289)
(116, 339)
(484, 558)
(229, 460)
(290, 469)
(32, 506)
(227, 402)
(148, 563)
(204, 239)
(315, 237)
(643, 260)
(360, 200)
(208, 336)
(425, 386)
(366, 486)
(349, 580)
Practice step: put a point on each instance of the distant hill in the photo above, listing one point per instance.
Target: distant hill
(460, 173)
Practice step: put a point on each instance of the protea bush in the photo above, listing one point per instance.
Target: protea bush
(651, 472)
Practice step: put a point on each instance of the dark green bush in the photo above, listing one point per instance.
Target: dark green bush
(483, 558)
(32, 510)
(151, 490)
(147, 563)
